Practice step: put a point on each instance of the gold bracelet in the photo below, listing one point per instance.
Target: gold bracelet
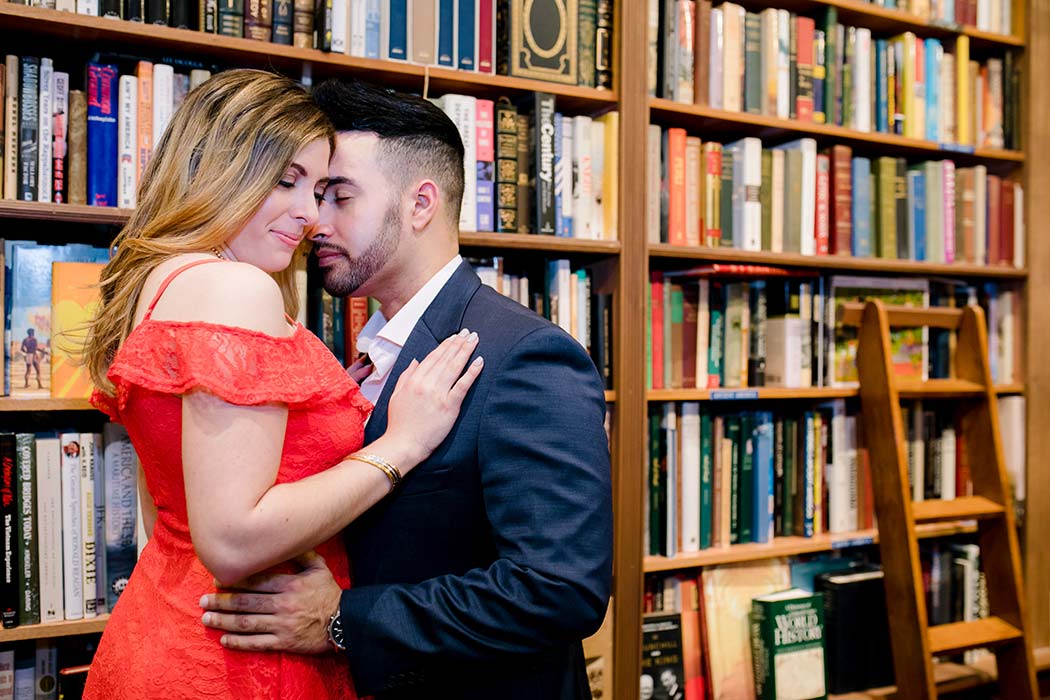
(392, 472)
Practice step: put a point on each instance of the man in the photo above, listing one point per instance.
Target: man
(30, 350)
(669, 683)
(493, 559)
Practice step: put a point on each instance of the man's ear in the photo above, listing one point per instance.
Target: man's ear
(426, 200)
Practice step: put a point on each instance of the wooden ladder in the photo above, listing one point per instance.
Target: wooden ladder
(914, 642)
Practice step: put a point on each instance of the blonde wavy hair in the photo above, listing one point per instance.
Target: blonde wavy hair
(224, 151)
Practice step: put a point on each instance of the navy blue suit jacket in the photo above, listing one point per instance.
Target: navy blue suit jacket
(479, 577)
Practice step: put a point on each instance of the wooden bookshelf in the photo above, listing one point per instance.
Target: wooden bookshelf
(8, 404)
(120, 35)
(779, 393)
(834, 263)
(66, 628)
(791, 546)
(719, 121)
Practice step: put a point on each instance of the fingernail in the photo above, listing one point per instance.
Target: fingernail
(479, 360)
(464, 333)
(206, 618)
(222, 640)
(203, 601)
(473, 337)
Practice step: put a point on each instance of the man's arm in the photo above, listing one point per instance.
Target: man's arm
(544, 465)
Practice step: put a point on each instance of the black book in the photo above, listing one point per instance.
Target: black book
(157, 11)
(541, 159)
(134, 10)
(857, 631)
(183, 15)
(9, 519)
(603, 46)
(111, 8)
(28, 126)
(601, 336)
(662, 653)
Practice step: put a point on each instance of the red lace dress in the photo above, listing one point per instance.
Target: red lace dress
(154, 645)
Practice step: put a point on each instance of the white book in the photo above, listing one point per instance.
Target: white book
(948, 214)
(59, 134)
(808, 211)
(564, 183)
(127, 142)
(917, 445)
(87, 522)
(46, 675)
(341, 26)
(732, 57)
(776, 203)
(690, 467)
(783, 64)
(384, 32)
(747, 181)
(840, 519)
(45, 158)
(72, 528)
(583, 315)
(862, 81)
(984, 15)
(87, 7)
(1012, 430)
(934, 212)
(66, 5)
(357, 27)
(716, 48)
(853, 470)
(49, 513)
(652, 183)
(1019, 232)
(784, 360)
(101, 605)
(693, 184)
(462, 110)
(703, 322)
(198, 76)
(947, 438)
(597, 179)
(583, 186)
(163, 99)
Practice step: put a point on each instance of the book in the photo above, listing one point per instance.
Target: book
(74, 302)
(662, 655)
(787, 645)
(10, 604)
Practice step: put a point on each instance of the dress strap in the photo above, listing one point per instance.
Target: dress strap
(172, 276)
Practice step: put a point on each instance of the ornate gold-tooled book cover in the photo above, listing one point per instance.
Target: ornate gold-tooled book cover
(543, 40)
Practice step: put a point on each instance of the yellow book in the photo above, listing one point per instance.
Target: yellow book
(611, 176)
(962, 90)
(74, 301)
(907, 91)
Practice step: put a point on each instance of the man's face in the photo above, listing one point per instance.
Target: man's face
(360, 224)
(667, 680)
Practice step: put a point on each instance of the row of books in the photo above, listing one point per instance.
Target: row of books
(46, 669)
(531, 169)
(779, 64)
(745, 326)
(793, 198)
(71, 527)
(86, 146)
(719, 477)
(485, 36)
(994, 16)
(798, 629)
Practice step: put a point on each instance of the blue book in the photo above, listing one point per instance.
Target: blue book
(373, 18)
(486, 193)
(30, 315)
(917, 211)
(398, 30)
(882, 108)
(446, 38)
(933, 50)
(120, 496)
(762, 476)
(860, 181)
(809, 452)
(102, 134)
(465, 35)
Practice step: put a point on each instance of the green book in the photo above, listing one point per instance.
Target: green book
(754, 90)
(831, 78)
(706, 474)
(765, 197)
(787, 646)
(657, 519)
(726, 198)
(732, 429)
(587, 21)
(790, 485)
(28, 561)
(886, 182)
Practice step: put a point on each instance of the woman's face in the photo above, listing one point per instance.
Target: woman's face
(277, 228)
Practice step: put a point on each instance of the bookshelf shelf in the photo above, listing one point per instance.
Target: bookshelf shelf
(779, 393)
(9, 404)
(697, 117)
(245, 52)
(75, 213)
(66, 628)
(838, 263)
(790, 546)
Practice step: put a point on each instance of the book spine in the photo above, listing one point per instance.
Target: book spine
(524, 184)
(157, 11)
(446, 33)
(543, 157)
(77, 170)
(121, 506)
(506, 167)
(9, 520)
(804, 95)
(44, 114)
(101, 606)
(11, 131)
(587, 42)
(462, 110)
(72, 532)
(127, 142)
(88, 550)
(163, 99)
(841, 201)
(340, 26)
(143, 118)
(486, 36)
(28, 571)
(583, 183)
(753, 87)
(49, 528)
(59, 135)
(603, 78)
(485, 164)
(28, 123)
(133, 10)
(102, 135)
(182, 15)
(465, 35)
(281, 14)
(231, 18)
(823, 205)
(397, 48)
(258, 20)
(357, 26)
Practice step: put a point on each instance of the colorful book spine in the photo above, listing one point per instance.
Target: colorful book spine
(10, 603)
(28, 570)
(44, 136)
(121, 506)
(127, 142)
(28, 125)
(446, 33)
(485, 130)
(59, 135)
(466, 58)
(102, 134)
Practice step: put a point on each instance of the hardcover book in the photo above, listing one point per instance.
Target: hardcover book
(787, 646)
(543, 40)
(74, 299)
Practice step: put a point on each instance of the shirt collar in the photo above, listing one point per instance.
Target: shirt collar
(397, 329)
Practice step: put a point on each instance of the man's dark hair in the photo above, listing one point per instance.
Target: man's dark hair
(416, 137)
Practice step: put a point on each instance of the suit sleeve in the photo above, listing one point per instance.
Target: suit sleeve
(545, 471)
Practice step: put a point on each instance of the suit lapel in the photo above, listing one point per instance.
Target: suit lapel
(441, 319)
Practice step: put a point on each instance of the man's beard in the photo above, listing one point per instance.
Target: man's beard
(343, 279)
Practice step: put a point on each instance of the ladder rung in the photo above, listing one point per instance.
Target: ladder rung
(934, 388)
(851, 313)
(962, 508)
(957, 636)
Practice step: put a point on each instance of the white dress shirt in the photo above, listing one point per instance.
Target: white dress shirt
(382, 340)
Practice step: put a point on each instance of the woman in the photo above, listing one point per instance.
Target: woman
(242, 420)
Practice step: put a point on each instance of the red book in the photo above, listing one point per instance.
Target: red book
(356, 318)
(995, 213)
(840, 211)
(692, 654)
(485, 37)
(804, 95)
(676, 187)
(656, 333)
(822, 220)
(1006, 228)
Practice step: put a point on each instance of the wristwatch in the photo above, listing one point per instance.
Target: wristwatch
(335, 631)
